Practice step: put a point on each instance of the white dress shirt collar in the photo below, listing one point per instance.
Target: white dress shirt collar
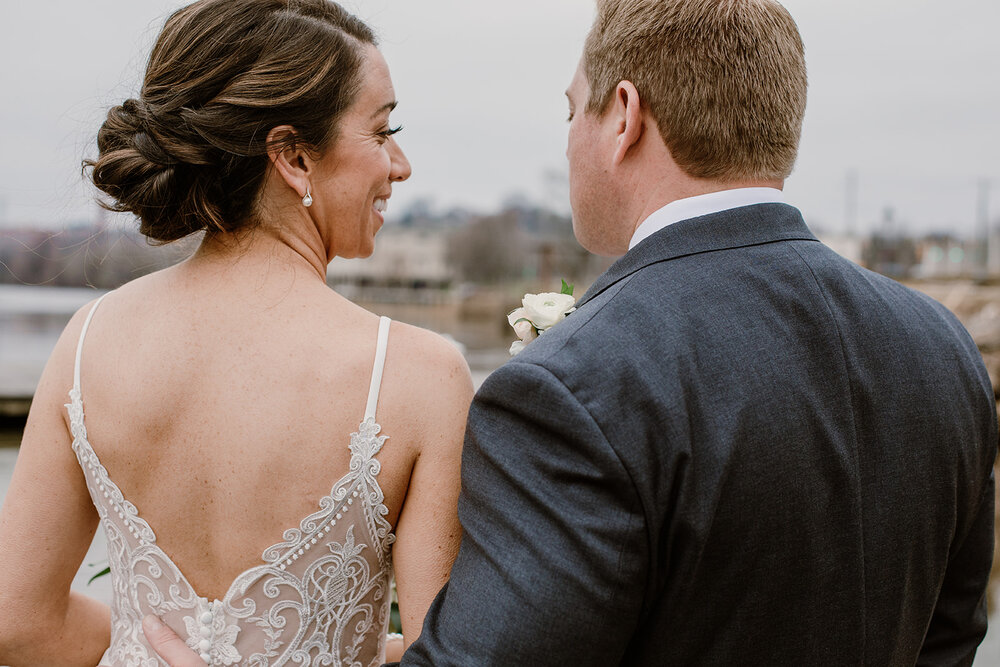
(693, 207)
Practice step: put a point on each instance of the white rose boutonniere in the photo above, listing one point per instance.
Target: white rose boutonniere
(538, 313)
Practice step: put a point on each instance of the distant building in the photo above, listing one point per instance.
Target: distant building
(945, 257)
(846, 245)
(408, 265)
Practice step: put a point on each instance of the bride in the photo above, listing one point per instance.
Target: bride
(261, 454)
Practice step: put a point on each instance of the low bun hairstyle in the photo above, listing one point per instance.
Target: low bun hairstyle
(190, 153)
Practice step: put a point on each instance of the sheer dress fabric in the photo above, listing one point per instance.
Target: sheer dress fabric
(320, 596)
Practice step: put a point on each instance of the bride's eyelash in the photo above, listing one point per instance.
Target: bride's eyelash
(391, 131)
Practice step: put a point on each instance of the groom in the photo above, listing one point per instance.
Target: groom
(741, 448)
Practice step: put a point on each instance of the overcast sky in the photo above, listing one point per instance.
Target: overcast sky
(904, 92)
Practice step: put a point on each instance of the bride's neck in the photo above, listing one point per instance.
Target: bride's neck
(260, 251)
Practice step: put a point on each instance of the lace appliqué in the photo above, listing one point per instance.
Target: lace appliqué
(321, 596)
(213, 632)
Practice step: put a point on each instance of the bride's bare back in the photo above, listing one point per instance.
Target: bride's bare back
(203, 513)
(222, 403)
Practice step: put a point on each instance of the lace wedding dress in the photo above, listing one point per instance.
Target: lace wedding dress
(319, 597)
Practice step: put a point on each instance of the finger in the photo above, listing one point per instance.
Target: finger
(168, 645)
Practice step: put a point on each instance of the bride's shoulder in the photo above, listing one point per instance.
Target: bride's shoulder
(425, 356)
(57, 377)
(426, 373)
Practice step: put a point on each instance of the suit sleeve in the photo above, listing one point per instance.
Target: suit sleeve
(959, 621)
(552, 563)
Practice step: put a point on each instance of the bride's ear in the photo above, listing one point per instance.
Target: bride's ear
(289, 157)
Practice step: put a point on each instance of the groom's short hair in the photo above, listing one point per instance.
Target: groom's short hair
(724, 79)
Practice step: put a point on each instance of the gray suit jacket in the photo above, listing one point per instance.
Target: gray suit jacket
(741, 449)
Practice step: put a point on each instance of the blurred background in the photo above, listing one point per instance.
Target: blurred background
(898, 167)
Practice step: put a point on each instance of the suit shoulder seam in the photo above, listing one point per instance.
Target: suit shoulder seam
(854, 421)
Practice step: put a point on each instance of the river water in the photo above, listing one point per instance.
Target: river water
(31, 319)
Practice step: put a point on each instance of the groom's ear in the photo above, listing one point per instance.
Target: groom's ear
(626, 110)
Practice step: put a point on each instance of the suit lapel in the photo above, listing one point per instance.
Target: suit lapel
(735, 228)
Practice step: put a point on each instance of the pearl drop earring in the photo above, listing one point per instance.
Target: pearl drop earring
(307, 201)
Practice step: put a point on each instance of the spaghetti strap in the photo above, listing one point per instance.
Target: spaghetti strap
(79, 345)
(383, 340)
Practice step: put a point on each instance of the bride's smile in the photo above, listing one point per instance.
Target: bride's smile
(352, 183)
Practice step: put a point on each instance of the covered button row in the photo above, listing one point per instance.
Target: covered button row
(206, 633)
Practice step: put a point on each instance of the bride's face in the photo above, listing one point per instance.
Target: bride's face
(354, 179)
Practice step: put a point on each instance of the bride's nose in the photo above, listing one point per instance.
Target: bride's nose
(400, 165)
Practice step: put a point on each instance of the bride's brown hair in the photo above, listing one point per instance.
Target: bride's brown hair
(190, 153)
